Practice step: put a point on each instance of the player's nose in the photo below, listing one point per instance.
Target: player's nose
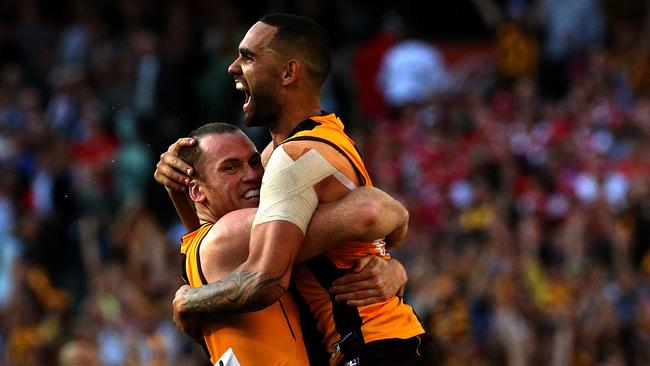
(235, 67)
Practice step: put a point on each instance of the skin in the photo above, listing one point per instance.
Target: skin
(260, 72)
(224, 190)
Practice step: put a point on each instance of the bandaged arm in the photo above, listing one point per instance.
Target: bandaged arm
(288, 199)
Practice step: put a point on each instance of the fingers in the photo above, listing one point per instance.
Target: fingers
(356, 295)
(189, 324)
(178, 303)
(182, 142)
(361, 298)
(362, 263)
(363, 302)
(192, 327)
(352, 277)
(171, 159)
(375, 282)
(355, 286)
(180, 318)
(170, 178)
(364, 269)
(172, 171)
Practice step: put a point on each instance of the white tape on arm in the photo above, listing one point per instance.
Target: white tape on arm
(287, 192)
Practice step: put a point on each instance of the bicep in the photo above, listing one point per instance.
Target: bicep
(226, 245)
(364, 214)
(296, 180)
(287, 202)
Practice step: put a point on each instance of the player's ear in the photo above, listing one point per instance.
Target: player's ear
(195, 192)
(290, 72)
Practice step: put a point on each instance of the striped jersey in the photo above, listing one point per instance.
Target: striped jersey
(271, 336)
(345, 328)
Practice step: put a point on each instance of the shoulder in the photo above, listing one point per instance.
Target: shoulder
(225, 246)
(314, 163)
(230, 223)
(297, 149)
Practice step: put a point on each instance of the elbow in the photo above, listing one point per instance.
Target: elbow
(262, 290)
(370, 212)
(404, 213)
(265, 297)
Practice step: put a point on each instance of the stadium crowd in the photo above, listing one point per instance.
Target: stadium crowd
(519, 144)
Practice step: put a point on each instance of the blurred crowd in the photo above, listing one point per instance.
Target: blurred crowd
(516, 132)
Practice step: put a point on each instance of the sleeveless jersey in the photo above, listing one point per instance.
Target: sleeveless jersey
(271, 336)
(344, 328)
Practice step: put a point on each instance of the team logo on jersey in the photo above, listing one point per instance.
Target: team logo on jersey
(380, 247)
(228, 359)
(354, 362)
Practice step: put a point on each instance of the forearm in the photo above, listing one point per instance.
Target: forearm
(397, 236)
(240, 292)
(331, 225)
(184, 209)
(392, 220)
(365, 214)
(257, 283)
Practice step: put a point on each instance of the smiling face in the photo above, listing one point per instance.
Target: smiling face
(229, 175)
(257, 72)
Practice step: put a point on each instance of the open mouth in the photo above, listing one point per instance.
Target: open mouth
(248, 102)
(252, 194)
(248, 99)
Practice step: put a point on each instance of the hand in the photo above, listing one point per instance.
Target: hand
(171, 171)
(372, 280)
(189, 324)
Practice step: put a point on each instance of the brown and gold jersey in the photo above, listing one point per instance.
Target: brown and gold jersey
(345, 328)
(267, 337)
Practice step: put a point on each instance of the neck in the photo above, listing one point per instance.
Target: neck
(205, 215)
(296, 110)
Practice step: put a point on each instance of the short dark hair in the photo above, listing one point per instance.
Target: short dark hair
(308, 37)
(193, 154)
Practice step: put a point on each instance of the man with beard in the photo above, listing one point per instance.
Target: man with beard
(283, 61)
(225, 192)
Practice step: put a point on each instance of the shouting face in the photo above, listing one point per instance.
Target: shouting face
(257, 71)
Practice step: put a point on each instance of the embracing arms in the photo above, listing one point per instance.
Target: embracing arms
(363, 214)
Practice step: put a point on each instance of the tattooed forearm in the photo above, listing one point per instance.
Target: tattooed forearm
(240, 292)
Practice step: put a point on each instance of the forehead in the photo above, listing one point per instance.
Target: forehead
(221, 147)
(258, 37)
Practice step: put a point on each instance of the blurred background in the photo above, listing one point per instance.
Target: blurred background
(516, 132)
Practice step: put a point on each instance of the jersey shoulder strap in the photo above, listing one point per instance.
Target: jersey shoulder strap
(328, 128)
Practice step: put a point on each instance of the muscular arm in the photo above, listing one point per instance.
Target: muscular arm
(275, 239)
(365, 214)
(254, 285)
(184, 209)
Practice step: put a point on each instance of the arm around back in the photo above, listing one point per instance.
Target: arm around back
(364, 214)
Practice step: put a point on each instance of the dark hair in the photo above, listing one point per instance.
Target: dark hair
(306, 36)
(193, 154)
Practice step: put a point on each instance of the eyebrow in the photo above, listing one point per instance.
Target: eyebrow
(246, 52)
(229, 160)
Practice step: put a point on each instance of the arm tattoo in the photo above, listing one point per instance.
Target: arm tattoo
(240, 292)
